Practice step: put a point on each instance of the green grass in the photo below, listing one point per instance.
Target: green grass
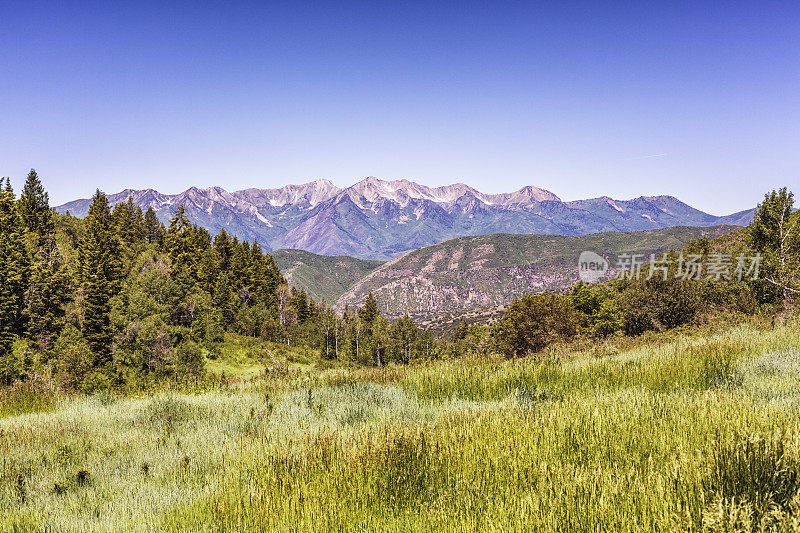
(37, 394)
(697, 433)
(245, 358)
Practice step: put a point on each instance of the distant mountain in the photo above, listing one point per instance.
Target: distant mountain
(378, 219)
(491, 270)
(322, 276)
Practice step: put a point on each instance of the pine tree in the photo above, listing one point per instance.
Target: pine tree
(207, 271)
(34, 207)
(223, 249)
(100, 273)
(370, 311)
(177, 242)
(15, 261)
(404, 337)
(199, 241)
(221, 299)
(128, 222)
(137, 222)
(13, 280)
(265, 277)
(301, 306)
(48, 294)
(153, 229)
(96, 322)
(240, 272)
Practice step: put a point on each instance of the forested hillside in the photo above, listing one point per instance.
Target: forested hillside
(117, 297)
(470, 273)
(322, 276)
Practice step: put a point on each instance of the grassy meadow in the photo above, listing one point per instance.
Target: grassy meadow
(693, 433)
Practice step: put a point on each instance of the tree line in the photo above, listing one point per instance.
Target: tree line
(120, 298)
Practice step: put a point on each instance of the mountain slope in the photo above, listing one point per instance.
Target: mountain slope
(491, 270)
(379, 219)
(322, 276)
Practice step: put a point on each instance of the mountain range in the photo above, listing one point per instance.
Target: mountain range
(379, 219)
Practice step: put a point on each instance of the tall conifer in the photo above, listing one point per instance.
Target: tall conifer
(34, 206)
(100, 270)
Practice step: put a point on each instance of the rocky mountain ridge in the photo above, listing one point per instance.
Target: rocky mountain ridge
(381, 219)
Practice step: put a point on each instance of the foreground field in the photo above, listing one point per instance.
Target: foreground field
(692, 434)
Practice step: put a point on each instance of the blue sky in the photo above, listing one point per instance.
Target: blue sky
(697, 100)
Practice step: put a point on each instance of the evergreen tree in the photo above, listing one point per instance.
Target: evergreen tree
(370, 311)
(34, 207)
(14, 264)
(153, 229)
(265, 277)
(178, 242)
(240, 272)
(207, 271)
(48, 294)
(129, 222)
(404, 336)
(136, 233)
(13, 280)
(223, 250)
(222, 298)
(301, 306)
(96, 322)
(100, 270)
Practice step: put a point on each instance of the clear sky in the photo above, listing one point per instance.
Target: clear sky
(700, 100)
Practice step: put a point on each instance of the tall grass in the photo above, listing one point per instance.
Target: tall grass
(687, 363)
(37, 393)
(700, 433)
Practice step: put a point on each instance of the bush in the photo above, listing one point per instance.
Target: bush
(189, 359)
(214, 328)
(607, 320)
(658, 304)
(533, 322)
(96, 382)
(73, 359)
(37, 393)
(10, 366)
(168, 410)
(598, 312)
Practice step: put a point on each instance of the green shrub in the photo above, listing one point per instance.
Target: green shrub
(189, 361)
(533, 322)
(96, 382)
(72, 357)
